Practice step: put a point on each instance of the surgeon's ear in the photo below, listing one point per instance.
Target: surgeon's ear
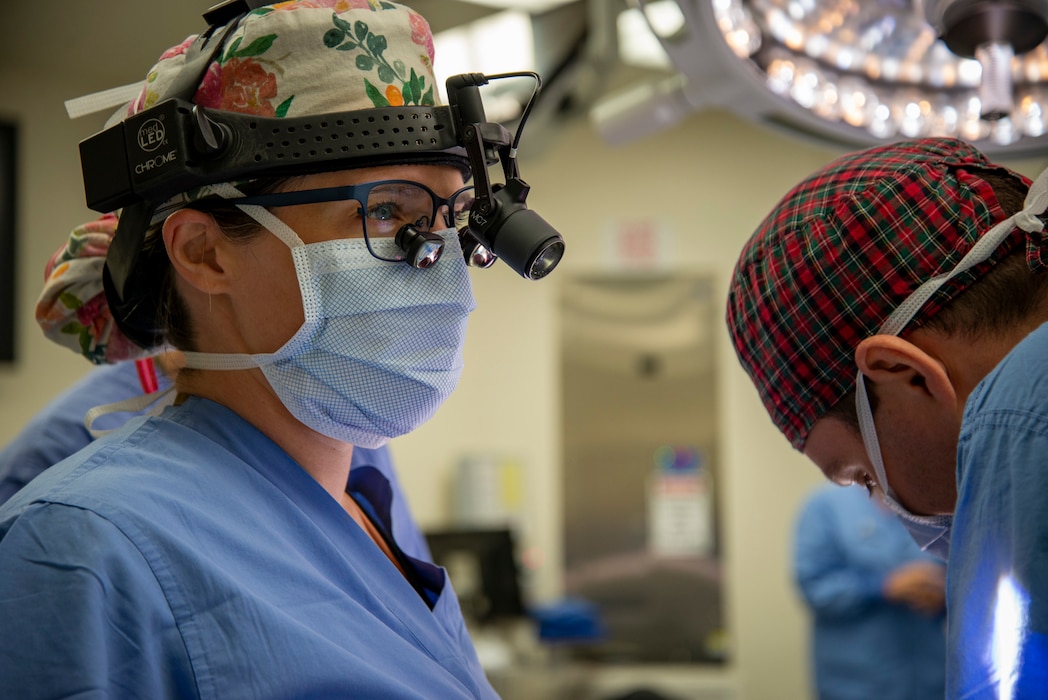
(195, 246)
(897, 365)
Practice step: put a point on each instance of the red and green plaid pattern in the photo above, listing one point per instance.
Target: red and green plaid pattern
(839, 253)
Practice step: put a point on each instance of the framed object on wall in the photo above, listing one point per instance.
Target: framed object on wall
(8, 165)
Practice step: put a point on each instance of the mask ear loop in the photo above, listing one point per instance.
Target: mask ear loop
(285, 233)
(1028, 220)
(261, 215)
(159, 400)
(869, 435)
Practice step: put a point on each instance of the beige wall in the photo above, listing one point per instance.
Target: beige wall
(708, 182)
(50, 203)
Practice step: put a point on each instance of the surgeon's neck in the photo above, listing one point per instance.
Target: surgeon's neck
(248, 394)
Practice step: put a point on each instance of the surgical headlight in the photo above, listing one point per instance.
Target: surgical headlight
(499, 219)
(515, 233)
(176, 146)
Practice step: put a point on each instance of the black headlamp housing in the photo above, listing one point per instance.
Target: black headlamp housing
(177, 146)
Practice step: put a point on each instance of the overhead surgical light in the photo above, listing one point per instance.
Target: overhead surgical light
(851, 73)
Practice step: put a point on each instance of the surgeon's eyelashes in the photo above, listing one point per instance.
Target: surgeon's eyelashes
(385, 219)
(858, 479)
(381, 208)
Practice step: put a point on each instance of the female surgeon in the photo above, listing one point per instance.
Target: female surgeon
(215, 550)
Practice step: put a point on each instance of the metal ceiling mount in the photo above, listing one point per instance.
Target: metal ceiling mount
(964, 25)
(993, 33)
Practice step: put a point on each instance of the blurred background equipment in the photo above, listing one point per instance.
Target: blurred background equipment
(482, 564)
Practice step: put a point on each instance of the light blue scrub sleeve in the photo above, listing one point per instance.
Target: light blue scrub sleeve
(828, 579)
(999, 557)
(81, 613)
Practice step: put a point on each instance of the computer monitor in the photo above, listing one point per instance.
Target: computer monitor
(482, 565)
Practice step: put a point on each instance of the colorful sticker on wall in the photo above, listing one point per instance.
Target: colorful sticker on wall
(680, 503)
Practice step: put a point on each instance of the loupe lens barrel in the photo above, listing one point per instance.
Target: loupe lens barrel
(422, 248)
(475, 253)
(546, 259)
(528, 244)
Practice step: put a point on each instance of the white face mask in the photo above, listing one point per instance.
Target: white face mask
(932, 532)
(381, 346)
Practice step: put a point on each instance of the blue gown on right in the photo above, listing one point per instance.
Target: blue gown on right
(997, 587)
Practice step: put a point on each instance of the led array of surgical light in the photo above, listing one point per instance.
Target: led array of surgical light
(881, 67)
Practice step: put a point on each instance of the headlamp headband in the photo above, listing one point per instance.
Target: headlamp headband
(177, 146)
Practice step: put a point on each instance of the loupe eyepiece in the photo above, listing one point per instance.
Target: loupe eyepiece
(422, 248)
(476, 254)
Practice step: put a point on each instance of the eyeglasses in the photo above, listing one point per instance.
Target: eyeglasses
(387, 207)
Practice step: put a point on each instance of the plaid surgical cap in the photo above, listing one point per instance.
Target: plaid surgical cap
(840, 251)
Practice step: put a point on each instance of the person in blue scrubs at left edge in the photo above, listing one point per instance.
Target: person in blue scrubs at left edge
(224, 548)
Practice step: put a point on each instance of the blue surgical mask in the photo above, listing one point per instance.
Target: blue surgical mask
(930, 532)
(381, 346)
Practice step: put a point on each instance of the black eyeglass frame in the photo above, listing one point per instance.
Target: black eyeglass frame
(358, 193)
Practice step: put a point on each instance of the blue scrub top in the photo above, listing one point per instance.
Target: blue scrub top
(863, 646)
(187, 555)
(997, 588)
(58, 431)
